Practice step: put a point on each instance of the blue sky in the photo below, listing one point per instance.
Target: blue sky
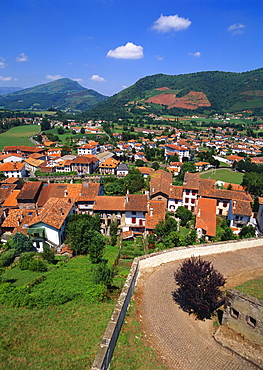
(107, 45)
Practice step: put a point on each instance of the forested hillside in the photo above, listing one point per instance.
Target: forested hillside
(224, 91)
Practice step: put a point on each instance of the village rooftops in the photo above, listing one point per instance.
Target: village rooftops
(136, 202)
(156, 213)
(30, 190)
(108, 203)
(88, 191)
(206, 216)
(54, 212)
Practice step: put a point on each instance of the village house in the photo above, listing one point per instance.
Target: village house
(14, 169)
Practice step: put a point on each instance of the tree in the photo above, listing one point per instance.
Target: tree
(82, 130)
(45, 124)
(21, 243)
(79, 231)
(48, 254)
(247, 231)
(164, 228)
(184, 214)
(102, 274)
(199, 286)
(113, 232)
(96, 246)
(186, 167)
(155, 166)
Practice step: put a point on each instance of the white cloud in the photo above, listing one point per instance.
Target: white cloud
(236, 28)
(53, 77)
(158, 57)
(2, 78)
(171, 23)
(79, 80)
(22, 58)
(97, 78)
(2, 63)
(197, 54)
(128, 51)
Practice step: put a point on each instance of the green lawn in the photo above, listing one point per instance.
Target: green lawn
(253, 287)
(19, 135)
(223, 175)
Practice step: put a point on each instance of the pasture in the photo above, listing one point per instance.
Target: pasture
(19, 135)
(223, 174)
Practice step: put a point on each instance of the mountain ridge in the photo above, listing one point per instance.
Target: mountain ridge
(60, 94)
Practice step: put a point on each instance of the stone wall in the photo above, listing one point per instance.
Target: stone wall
(146, 264)
(244, 315)
(103, 358)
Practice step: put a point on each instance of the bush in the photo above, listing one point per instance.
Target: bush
(37, 265)
(6, 258)
(199, 286)
(102, 274)
(25, 260)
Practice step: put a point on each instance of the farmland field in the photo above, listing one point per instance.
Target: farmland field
(223, 175)
(19, 135)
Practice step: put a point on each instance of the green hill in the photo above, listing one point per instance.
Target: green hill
(173, 94)
(63, 94)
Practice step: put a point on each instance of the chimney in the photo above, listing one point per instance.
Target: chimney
(151, 212)
(199, 212)
(61, 211)
(234, 204)
(65, 193)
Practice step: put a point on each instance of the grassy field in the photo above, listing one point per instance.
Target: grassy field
(19, 135)
(253, 287)
(223, 175)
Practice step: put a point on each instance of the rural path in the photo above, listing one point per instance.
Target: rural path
(179, 340)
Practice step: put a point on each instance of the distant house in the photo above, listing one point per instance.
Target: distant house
(84, 164)
(156, 213)
(175, 199)
(109, 166)
(239, 214)
(122, 170)
(135, 213)
(29, 194)
(50, 223)
(205, 224)
(14, 169)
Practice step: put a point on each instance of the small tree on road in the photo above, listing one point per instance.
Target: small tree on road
(199, 286)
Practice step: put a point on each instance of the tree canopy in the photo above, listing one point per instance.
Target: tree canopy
(199, 286)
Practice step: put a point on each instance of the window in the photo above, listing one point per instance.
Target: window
(133, 212)
(133, 220)
(176, 201)
(187, 192)
(251, 321)
(193, 201)
(224, 204)
(186, 200)
(220, 211)
(234, 313)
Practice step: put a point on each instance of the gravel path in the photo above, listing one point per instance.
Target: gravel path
(181, 341)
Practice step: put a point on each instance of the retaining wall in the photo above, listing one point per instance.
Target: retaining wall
(146, 263)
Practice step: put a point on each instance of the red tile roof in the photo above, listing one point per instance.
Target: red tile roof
(107, 203)
(156, 213)
(206, 215)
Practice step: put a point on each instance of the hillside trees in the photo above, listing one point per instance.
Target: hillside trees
(84, 237)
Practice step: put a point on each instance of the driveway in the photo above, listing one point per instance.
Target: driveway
(177, 338)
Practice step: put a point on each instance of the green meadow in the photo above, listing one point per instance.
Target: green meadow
(222, 174)
(19, 135)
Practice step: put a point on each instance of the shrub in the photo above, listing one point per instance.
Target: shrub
(199, 286)
(25, 260)
(37, 265)
(102, 274)
(7, 257)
